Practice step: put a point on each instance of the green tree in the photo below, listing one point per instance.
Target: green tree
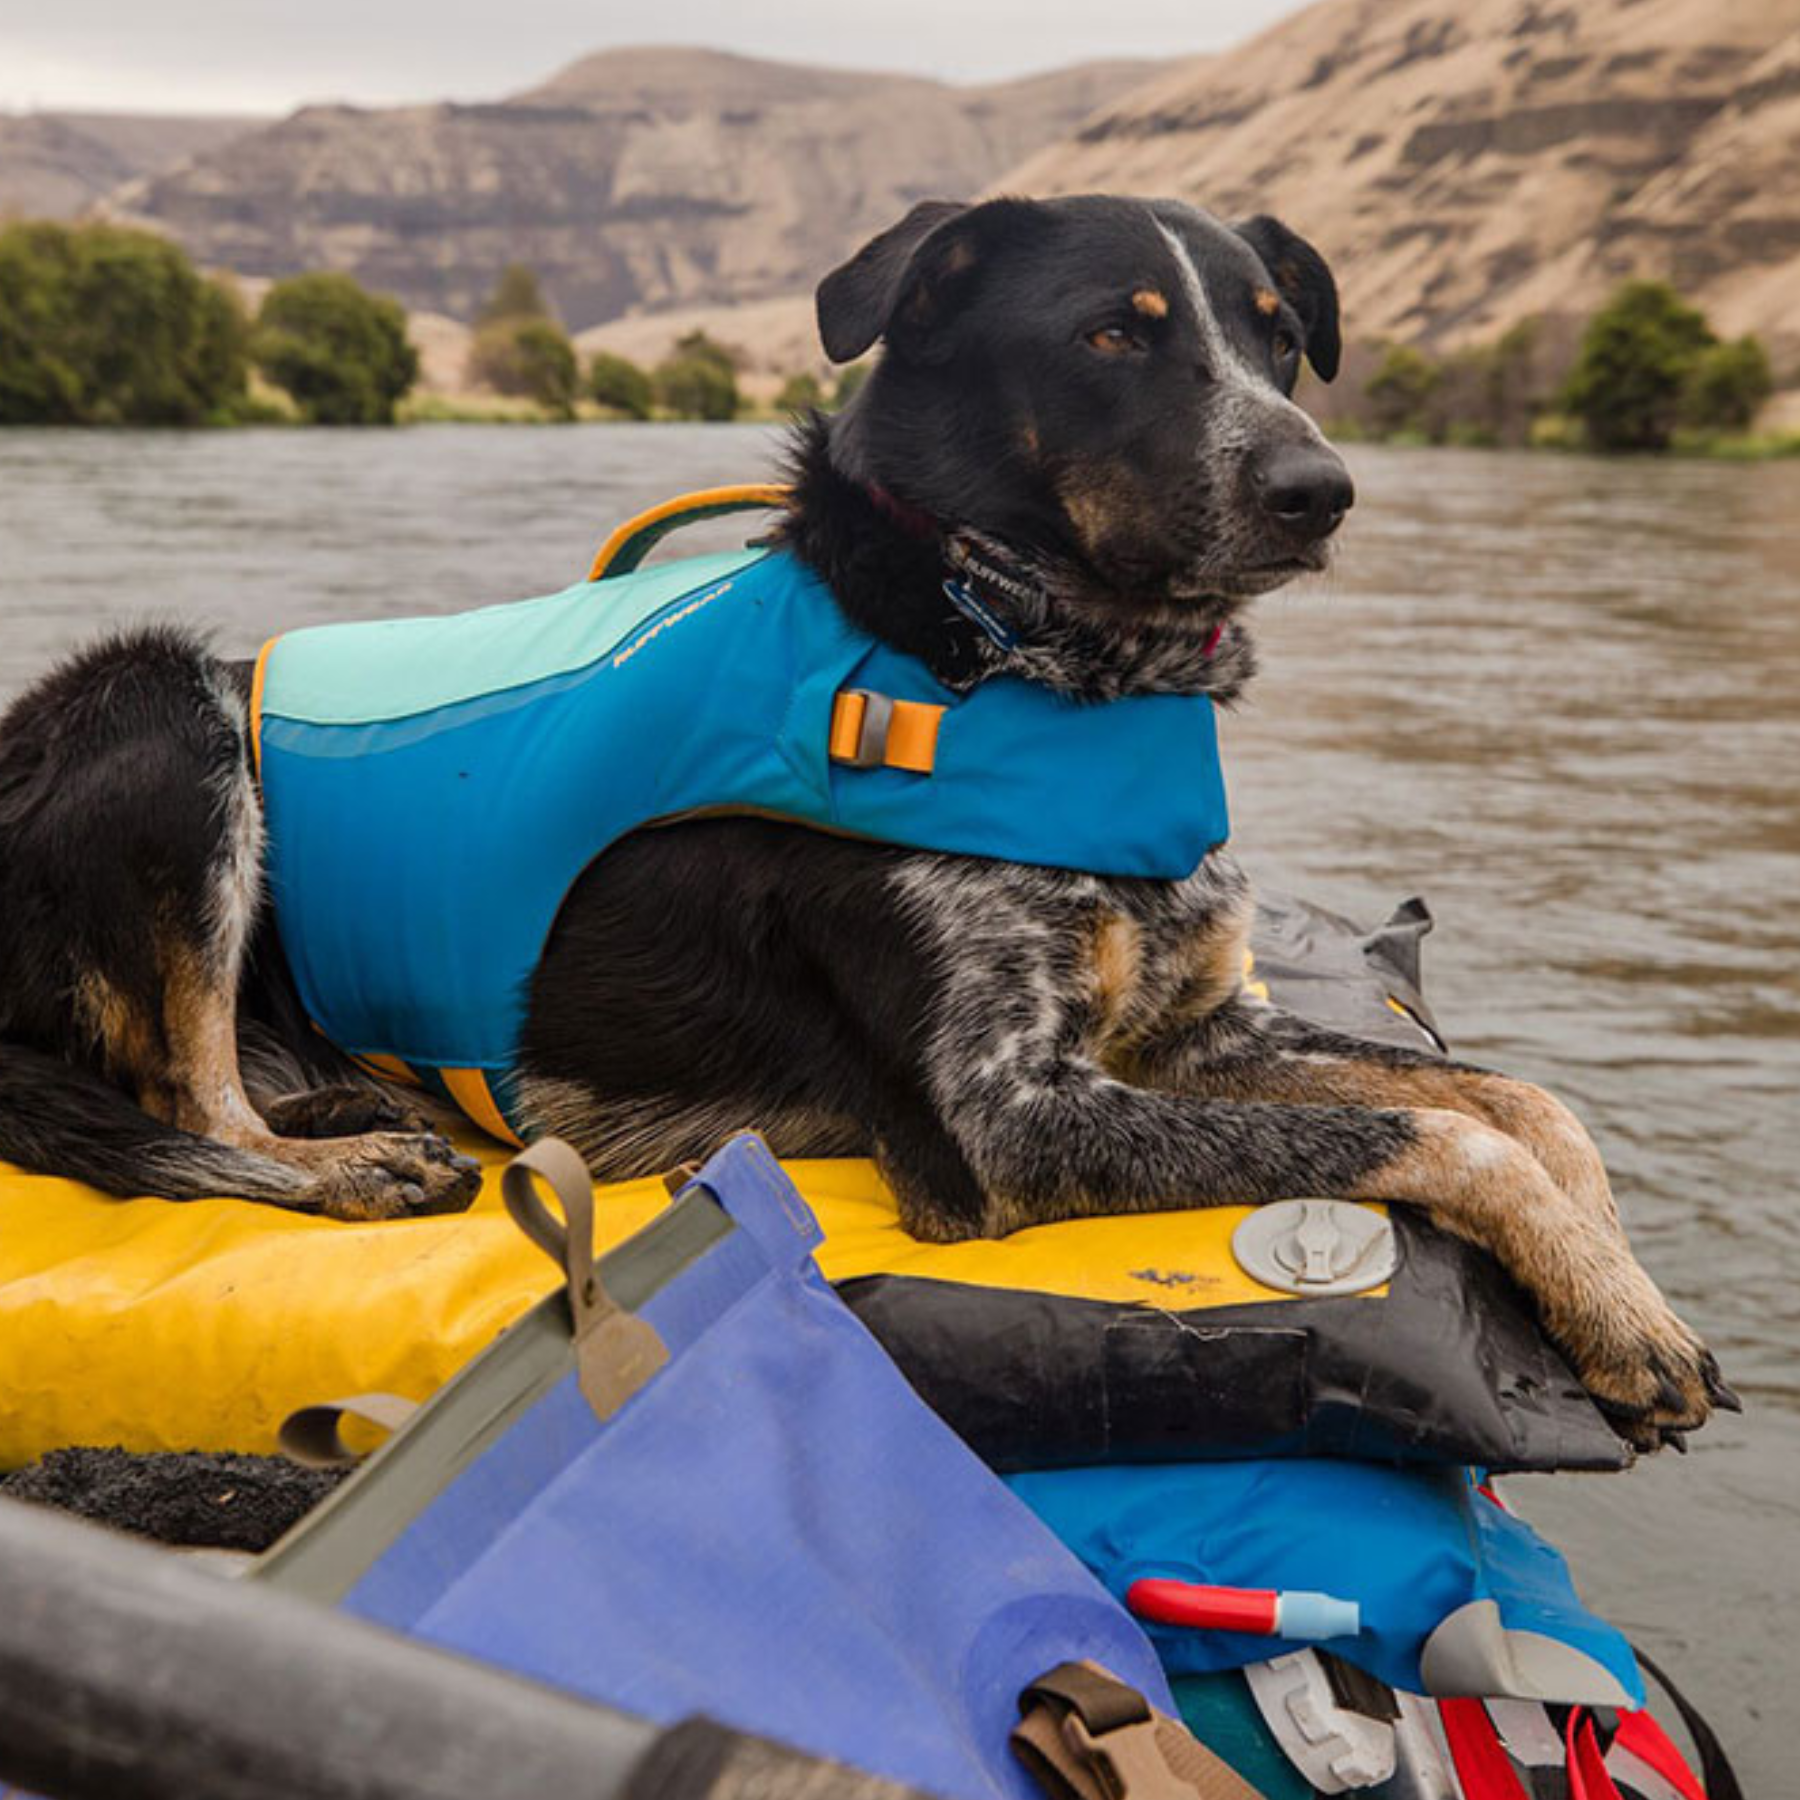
(619, 384)
(103, 325)
(698, 381)
(1401, 389)
(1518, 387)
(800, 393)
(1458, 406)
(532, 358)
(39, 383)
(1637, 358)
(517, 295)
(707, 349)
(340, 351)
(1728, 386)
(849, 384)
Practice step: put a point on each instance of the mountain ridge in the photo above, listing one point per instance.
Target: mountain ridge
(54, 165)
(632, 180)
(1476, 163)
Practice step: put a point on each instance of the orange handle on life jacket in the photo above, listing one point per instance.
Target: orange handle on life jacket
(627, 547)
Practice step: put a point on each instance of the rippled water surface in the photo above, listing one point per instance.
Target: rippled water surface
(1560, 698)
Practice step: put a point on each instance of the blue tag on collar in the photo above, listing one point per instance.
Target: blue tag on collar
(979, 613)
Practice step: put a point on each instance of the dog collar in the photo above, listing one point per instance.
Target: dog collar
(992, 589)
(913, 520)
(967, 572)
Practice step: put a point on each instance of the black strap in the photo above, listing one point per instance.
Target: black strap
(1716, 1773)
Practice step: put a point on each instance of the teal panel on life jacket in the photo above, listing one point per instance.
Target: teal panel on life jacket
(434, 786)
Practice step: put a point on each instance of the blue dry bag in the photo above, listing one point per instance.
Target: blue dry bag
(771, 1530)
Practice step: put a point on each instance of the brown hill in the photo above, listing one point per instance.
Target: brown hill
(55, 165)
(633, 180)
(1466, 165)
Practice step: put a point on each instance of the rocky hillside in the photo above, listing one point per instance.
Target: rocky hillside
(633, 180)
(1465, 165)
(55, 165)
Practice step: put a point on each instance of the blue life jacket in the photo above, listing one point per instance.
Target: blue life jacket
(434, 786)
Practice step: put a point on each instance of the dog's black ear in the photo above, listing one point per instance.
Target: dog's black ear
(905, 285)
(860, 300)
(1299, 271)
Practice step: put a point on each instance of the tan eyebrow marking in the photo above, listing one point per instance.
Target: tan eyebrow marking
(1268, 302)
(1150, 303)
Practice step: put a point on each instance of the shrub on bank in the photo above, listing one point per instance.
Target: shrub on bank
(518, 294)
(1400, 390)
(1637, 358)
(340, 352)
(1645, 373)
(520, 348)
(618, 384)
(1728, 386)
(849, 384)
(529, 358)
(698, 379)
(104, 325)
(800, 393)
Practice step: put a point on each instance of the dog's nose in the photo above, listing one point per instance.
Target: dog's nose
(1306, 488)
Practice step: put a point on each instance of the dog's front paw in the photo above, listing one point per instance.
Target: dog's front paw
(389, 1175)
(1648, 1372)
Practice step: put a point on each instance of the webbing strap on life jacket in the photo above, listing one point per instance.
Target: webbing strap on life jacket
(1086, 1735)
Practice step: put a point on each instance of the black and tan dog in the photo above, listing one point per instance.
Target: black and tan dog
(1086, 404)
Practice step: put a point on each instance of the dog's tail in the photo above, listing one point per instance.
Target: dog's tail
(58, 1119)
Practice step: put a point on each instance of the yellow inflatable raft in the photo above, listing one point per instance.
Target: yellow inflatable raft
(159, 1326)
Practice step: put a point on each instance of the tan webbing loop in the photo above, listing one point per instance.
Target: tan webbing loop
(616, 1352)
(310, 1435)
(1085, 1735)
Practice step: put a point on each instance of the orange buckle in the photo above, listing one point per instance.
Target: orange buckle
(876, 731)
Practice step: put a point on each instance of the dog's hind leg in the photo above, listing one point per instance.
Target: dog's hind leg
(131, 838)
(303, 1087)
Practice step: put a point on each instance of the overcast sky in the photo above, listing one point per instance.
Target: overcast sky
(267, 56)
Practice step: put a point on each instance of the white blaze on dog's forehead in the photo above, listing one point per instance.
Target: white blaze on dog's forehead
(1228, 367)
(1226, 362)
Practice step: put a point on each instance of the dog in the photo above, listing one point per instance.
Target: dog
(1086, 406)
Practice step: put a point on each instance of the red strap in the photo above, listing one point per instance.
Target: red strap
(1584, 1765)
(1650, 1744)
(1482, 1765)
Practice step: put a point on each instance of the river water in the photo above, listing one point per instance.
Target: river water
(1558, 697)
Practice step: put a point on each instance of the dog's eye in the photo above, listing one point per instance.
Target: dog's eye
(1284, 345)
(1114, 340)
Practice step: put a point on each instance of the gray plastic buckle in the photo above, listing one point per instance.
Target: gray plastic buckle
(872, 734)
(1316, 1247)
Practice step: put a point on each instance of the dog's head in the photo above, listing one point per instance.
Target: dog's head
(1107, 380)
